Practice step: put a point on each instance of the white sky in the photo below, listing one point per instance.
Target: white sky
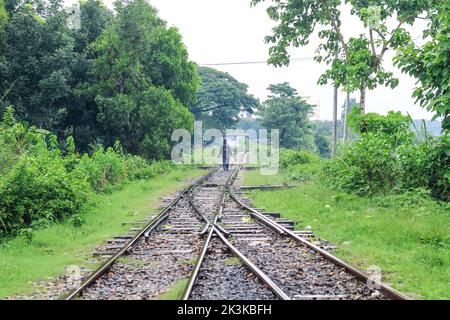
(219, 31)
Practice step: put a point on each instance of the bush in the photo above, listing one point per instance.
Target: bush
(290, 158)
(388, 159)
(102, 169)
(17, 139)
(39, 184)
(7, 157)
(299, 165)
(39, 190)
(394, 125)
(138, 168)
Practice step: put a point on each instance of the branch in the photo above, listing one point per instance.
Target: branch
(386, 44)
(199, 110)
(380, 34)
(337, 29)
(372, 43)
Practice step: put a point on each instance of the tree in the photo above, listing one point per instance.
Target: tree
(348, 106)
(143, 81)
(358, 65)
(94, 16)
(287, 111)
(123, 77)
(80, 120)
(37, 63)
(143, 120)
(430, 63)
(220, 99)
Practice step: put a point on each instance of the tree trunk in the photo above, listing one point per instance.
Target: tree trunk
(347, 103)
(334, 147)
(362, 101)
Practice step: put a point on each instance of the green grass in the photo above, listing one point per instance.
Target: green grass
(407, 237)
(62, 245)
(175, 292)
(254, 178)
(131, 262)
(232, 261)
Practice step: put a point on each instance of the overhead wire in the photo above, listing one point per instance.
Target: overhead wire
(252, 62)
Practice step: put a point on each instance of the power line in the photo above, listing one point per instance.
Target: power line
(252, 62)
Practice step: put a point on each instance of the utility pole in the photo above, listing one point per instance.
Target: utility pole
(347, 104)
(334, 147)
(335, 121)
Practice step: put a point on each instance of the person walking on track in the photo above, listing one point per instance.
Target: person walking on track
(226, 155)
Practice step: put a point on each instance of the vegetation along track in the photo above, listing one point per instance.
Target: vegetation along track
(228, 250)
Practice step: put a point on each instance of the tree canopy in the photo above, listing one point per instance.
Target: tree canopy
(430, 63)
(287, 111)
(143, 81)
(122, 77)
(355, 63)
(38, 64)
(220, 99)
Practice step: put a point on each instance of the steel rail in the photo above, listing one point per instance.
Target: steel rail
(193, 278)
(194, 275)
(145, 231)
(254, 213)
(385, 289)
(214, 229)
(259, 273)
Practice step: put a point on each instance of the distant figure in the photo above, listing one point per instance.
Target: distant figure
(226, 155)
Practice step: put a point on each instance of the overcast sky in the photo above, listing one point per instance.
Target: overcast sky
(220, 31)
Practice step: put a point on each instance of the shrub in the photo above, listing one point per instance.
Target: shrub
(160, 167)
(299, 165)
(138, 168)
(388, 159)
(7, 157)
(40, 184)
(17, 139)
(39, 190)
(102, 169)
(394, 125)
(290, 158)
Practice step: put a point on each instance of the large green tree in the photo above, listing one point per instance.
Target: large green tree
(430, 63)
(94, 16)
(118, 77)
(285, 110)
(355, 63)
(80, 119)
(143, 81)
(220, 99)
(38, 63)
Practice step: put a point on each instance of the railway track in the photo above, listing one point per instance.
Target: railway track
(210, 235)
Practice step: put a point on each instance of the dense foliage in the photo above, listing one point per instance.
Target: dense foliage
(430, 63)
(122, 77)
(143, 81)
(42, 181)
(299, 165)
(388, 158)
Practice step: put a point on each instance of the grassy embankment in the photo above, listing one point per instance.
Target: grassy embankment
(407, 237)
(62, 245)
